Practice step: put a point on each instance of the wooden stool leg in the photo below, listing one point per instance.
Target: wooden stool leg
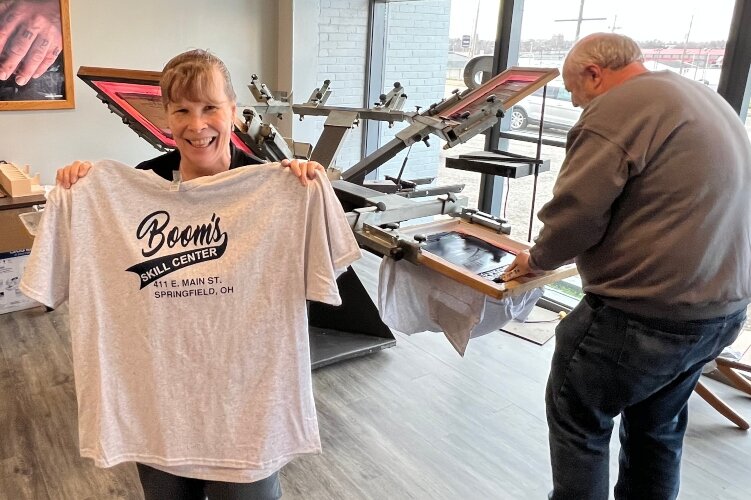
(720, 406)
(739, 381)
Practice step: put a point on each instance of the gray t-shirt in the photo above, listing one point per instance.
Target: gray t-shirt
(188, 313)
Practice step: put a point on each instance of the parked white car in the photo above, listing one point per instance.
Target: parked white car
(559, 112)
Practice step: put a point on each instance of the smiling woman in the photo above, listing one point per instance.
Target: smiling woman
(199, 110)
(200, 102)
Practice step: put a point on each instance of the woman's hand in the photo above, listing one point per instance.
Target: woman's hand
(303, 169)
(69, 174)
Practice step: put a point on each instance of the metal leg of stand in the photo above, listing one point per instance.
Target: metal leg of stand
(353, 329)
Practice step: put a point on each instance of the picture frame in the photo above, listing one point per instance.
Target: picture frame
(53, 88)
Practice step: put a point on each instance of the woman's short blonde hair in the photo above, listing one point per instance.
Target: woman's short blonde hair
(190, 74)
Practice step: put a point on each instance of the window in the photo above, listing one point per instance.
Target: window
(691, 44)
(687, 37)
(428, 43)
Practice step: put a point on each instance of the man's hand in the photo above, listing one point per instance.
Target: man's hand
(30, 38)
(519, 267)
(69, 174)
(303, 169)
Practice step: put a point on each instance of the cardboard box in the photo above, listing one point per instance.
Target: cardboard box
(15, 247)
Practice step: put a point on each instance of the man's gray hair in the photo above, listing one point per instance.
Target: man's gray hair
(607, 50)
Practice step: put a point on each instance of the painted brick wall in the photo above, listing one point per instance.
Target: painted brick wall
(343, 33)
(417, 57)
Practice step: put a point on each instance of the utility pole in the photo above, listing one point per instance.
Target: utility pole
(685, 43)
(473, 47)
(579, 20)
(614, 26)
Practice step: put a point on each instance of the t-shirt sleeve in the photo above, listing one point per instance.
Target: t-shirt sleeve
(330, 245)
(46, 274)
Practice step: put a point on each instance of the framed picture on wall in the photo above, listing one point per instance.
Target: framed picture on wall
(36, 62)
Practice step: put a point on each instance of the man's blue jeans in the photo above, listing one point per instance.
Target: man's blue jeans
(609, 363)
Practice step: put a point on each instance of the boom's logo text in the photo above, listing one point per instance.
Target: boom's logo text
(199, 243)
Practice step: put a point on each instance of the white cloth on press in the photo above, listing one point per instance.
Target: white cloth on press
(413, 299)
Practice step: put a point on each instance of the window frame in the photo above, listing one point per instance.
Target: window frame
(734, 86)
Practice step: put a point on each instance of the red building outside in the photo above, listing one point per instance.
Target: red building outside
(704, 58)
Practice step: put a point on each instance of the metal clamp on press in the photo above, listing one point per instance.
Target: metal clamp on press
(384, 242)
(497, 224)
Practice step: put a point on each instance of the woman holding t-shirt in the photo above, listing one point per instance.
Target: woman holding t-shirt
(200, 105)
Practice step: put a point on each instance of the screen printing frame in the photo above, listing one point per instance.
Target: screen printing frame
(510, 87)
(462, 275)
(129, 93)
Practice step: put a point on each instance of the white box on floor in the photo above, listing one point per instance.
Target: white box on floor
(11, 270)
(15, 247)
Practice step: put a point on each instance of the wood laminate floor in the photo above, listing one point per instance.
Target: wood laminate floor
(412, 422)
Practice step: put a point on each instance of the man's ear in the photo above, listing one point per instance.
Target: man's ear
(593, 73)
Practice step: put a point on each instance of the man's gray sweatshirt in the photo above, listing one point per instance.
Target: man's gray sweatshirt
(653, 201)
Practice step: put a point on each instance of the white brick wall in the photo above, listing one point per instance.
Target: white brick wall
(416, 57)
(343, 33)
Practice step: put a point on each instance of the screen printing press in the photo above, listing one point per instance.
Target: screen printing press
(470, 247)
